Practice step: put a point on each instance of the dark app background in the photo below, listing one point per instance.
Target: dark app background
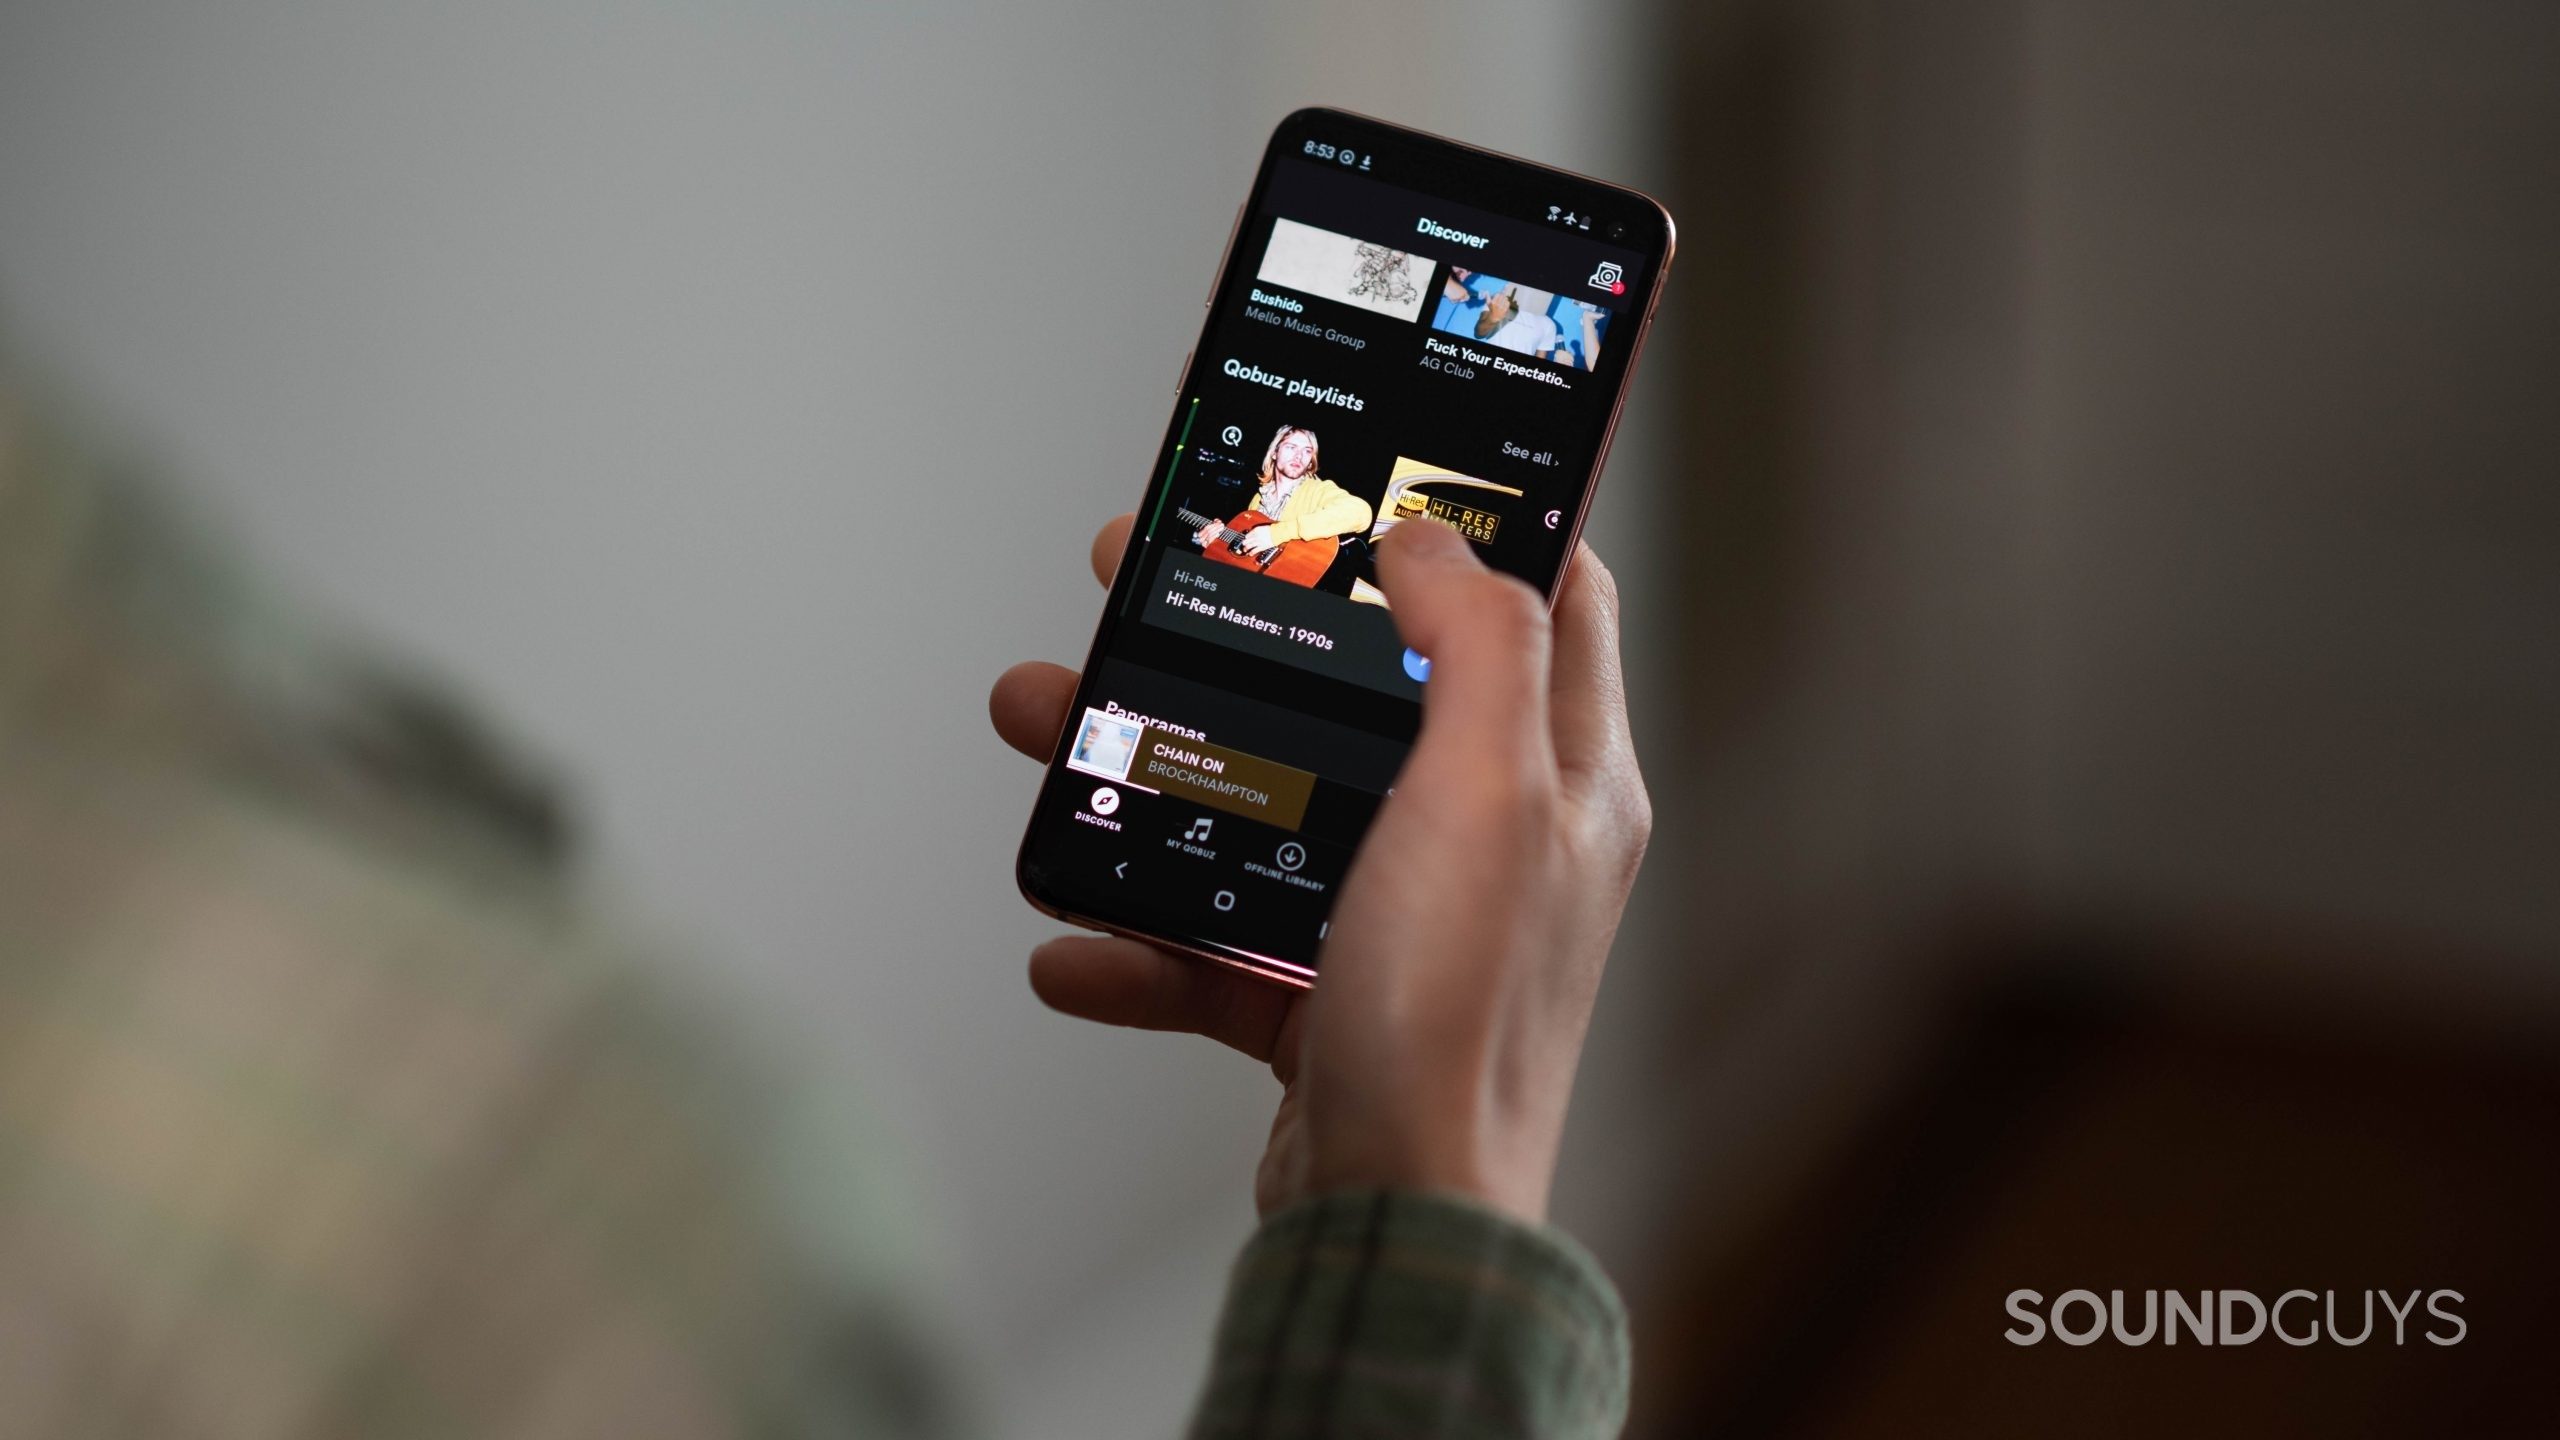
(1174, 647)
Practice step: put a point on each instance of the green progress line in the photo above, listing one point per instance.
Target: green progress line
(1171, 466)
(1166, 492)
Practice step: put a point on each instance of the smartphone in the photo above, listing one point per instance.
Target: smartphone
(1401, 326)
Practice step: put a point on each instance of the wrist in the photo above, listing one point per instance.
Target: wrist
(1513, 1179)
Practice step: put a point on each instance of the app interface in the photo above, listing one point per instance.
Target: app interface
(1374, 354)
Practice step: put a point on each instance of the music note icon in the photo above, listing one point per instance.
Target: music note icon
(1199, 829)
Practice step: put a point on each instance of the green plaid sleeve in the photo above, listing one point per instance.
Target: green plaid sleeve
(1387, 1313)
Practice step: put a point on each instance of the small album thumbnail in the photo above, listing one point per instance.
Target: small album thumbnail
(1106, 745)
(1520, 318)
(1337, 267)
(1474, 508)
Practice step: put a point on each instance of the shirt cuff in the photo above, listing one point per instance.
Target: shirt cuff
(1401, 1313)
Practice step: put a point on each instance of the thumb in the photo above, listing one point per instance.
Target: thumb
(1486, 634)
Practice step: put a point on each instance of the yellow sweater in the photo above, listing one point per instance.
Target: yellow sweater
(1315, 509)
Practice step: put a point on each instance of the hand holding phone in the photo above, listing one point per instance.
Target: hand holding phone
(1439, 1052)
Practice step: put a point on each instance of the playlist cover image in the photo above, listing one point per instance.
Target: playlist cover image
(1520, 318)
(1337, 267)
(1474, 508)
(1290, 525)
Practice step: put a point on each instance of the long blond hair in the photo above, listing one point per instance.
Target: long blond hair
(1271, 452)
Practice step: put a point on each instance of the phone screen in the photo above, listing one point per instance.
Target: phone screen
(1403, 327)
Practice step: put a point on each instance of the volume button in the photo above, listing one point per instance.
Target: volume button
(1224, 252)
(1181, 375)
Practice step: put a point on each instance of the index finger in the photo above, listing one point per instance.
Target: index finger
(1588, 694)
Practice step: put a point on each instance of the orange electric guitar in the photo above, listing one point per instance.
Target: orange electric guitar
(1300, 562)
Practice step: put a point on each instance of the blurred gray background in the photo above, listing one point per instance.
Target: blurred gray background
(2094, 472)
(722, 395)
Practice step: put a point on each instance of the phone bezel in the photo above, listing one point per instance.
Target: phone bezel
(1503, 179)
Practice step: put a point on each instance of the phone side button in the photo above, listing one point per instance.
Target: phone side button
(1181, 375)
(1224, 251)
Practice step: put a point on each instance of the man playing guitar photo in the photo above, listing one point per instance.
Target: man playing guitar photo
(1298, 517)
